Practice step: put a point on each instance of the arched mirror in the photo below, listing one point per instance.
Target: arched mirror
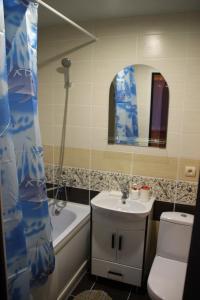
(138, 107)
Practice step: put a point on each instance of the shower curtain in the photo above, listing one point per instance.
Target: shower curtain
(126, 119)
(29, 250)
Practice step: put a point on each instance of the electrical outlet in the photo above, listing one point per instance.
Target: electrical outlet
(190, 171)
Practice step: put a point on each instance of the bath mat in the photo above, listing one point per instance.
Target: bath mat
(93, 295)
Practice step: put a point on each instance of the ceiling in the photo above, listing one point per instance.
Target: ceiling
(82, 10)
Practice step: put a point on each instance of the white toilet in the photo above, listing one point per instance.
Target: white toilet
(167, 276)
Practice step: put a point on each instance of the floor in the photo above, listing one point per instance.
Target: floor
(116, 290)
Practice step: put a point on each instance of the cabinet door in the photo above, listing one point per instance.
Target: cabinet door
(130, 247)
(104, 242)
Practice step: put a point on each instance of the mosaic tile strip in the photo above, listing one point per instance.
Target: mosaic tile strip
(186, 192)
(163, 189)
(73, 177)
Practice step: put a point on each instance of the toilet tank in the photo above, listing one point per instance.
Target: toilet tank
(174, 235)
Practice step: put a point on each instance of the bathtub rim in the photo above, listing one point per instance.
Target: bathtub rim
(59, 244)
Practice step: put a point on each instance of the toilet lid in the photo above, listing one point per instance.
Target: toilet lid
(166, 279)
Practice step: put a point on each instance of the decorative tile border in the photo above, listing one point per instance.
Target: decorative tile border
(186, 192)
(73, 177)
(165, 190)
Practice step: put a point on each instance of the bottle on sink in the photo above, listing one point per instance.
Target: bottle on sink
(145, 192)
(135, 192)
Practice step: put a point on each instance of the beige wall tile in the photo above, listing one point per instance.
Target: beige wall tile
(119, 148)
(99, 116)
(191, 101)
(99, 138)
(46, 113)
(157, 24)
(111, 161)
(101, 94)
(189, 145)
(173, 144)
(79, 158)
(79, 115)
(45, 74)
(165, 45)
(51, 135)
(47, 134)
(80, 72)
(80, 137)
(124, 48)
(58, 115)
(104, 73)
(154, 166)
(173, 69)
(73, 157)
(80, 94)
(177, 95)
(45, 93)
(193, 44)
(191, 120)
(182, 163)
(46, 57)
(174, 120)
(57, 133)
(193, 78)
(59, 94)
(193, 82)
(48, 154)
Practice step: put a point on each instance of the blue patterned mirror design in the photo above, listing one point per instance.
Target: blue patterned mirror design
(138, 107)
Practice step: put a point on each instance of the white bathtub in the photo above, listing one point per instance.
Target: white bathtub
(71, 240)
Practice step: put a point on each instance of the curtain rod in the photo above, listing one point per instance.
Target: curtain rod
(53, 10)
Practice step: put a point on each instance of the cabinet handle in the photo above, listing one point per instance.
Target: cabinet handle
(114, 273)
(120, 243)
(113, 241)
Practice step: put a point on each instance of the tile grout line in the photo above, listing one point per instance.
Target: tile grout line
(93, 285)
(129, 295)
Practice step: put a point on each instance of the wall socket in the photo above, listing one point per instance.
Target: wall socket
(190, 171)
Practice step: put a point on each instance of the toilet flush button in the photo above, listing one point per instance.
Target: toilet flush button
(190, 171)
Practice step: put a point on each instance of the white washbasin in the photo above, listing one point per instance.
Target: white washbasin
(112, 203)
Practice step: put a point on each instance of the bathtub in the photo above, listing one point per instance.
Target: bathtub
(71, 240)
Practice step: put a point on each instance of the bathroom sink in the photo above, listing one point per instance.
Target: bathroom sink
(111, 203)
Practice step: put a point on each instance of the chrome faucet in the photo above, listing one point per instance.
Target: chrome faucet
(124, 189)
(125, 195)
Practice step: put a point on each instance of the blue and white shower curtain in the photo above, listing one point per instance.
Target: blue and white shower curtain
(29, 250)
(126, 119)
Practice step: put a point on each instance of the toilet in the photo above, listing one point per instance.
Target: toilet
(167, 276)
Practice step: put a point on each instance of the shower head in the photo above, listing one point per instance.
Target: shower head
(66, 62)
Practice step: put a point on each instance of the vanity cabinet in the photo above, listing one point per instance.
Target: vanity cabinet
(104, 242)
(130, 247)
(118, 247)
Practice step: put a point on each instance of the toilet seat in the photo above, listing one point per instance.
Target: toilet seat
(166, 279)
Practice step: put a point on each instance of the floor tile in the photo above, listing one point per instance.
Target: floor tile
(86, 283)
(116, 290)
(139, 296)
